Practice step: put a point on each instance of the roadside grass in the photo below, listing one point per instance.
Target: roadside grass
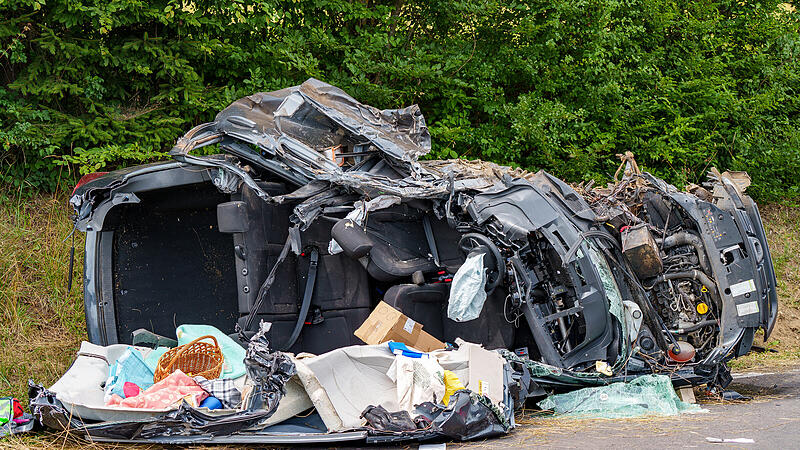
(782, 224)
(43, 324)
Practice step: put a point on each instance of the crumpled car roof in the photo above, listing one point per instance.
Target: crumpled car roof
(295, 124)
(400, 133)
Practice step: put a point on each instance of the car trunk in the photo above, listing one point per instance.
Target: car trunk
(162, 262)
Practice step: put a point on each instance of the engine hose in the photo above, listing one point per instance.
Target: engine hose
(692, 274)
(657, 325)
(686, 238)
(694, 327)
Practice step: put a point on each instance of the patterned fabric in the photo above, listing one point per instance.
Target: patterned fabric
(166, 393)
(223, 389)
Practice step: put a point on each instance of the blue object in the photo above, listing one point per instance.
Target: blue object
(232, 352)
(128, 367)
(153, 356)
(400, 348)
(211, 402)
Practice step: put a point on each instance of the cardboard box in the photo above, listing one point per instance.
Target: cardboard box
(388, 324)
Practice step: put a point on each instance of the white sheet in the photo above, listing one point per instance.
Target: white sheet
(354, 378)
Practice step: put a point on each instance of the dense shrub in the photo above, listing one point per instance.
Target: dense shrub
(553, 84)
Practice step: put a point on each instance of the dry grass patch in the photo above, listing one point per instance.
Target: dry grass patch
(42, 324)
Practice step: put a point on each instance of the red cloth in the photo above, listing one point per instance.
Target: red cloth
(167, 392)
(18, 411)
(131, 389)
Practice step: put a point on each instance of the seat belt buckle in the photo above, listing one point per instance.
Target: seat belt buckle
(315, 316)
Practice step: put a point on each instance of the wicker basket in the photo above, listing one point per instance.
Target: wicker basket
(194, 359)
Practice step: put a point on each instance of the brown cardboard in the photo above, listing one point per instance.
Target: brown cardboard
(388, 324)
(486, 373)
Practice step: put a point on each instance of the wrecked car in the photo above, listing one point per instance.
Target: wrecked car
(304, 208)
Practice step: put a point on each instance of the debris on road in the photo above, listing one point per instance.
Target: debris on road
(730, 440)
(647, 395)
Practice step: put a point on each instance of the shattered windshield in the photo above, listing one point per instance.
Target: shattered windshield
(615, 306)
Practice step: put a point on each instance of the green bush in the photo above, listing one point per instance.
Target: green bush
(560, 85)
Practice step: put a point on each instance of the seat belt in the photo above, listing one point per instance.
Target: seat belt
(426, 224)
(262, 292)
(306, 304)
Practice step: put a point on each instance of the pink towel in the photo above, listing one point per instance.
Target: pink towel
(165, 393)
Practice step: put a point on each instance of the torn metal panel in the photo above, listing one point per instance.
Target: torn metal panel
(401, 133)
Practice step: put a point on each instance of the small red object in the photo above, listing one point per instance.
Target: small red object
(686, 352)
(130, 389)
(87, 178)
(18, 411)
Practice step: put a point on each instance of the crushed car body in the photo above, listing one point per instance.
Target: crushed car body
(315, 207)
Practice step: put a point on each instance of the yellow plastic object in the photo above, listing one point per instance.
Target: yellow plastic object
(451, 385)
(702, 308)
(603, 367)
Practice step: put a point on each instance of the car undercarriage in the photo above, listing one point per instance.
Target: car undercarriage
(304, 208)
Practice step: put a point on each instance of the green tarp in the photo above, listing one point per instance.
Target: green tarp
(643, 396)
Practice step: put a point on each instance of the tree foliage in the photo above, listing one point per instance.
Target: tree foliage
(543, 84)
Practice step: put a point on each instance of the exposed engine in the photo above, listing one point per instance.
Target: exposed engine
(664, 247)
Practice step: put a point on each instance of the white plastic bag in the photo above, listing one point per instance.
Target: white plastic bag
(418, 380)
(468, 292)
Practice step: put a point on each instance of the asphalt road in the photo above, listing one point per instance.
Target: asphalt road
(771, 419)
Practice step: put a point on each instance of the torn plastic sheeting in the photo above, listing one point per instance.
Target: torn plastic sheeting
(269, 372)
(380, 419)
(470, 416)
(646, 395)
(49, 411)
(294, 402)
(468, 293)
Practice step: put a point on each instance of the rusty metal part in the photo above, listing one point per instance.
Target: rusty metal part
(641, 251)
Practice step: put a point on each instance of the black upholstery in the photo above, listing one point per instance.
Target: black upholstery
(426, 304)
(335, 330)
(341, 289)
(395, 244)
